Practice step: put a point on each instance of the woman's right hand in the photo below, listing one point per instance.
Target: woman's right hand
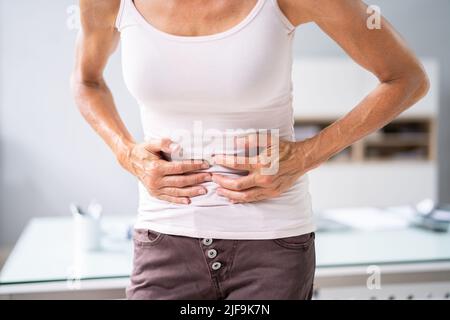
(172, 181)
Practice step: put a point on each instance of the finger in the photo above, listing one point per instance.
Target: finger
(185, 180)
(233, 162)
(180, 167)
(251, 195)
(164, 145)
(178, 200)
(183, 192)
(236, 184)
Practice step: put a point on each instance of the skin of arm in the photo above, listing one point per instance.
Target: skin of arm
(402, 82)
(170, 181)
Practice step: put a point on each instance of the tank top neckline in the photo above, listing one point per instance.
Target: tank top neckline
(243, 23)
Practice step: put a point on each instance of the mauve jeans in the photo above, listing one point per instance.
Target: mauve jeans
(174, 267)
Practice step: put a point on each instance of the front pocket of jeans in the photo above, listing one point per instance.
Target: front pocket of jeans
(147, 238)
(303, 241)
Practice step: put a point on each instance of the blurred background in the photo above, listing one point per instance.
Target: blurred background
(50, 157)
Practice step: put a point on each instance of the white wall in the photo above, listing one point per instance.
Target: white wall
(50, 157)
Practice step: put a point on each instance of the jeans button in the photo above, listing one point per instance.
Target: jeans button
(212, 253)
(216, 265)
(207, 241)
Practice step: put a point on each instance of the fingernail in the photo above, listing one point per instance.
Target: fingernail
(186, 201)
(205, 165)
(208, 178)
(202, 191)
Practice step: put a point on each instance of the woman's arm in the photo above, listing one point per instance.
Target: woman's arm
(97, 40)
(402, 82)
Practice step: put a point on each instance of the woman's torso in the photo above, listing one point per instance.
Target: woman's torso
(187, 87)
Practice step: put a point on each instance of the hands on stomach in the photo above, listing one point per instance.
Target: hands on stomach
(270, 173)
(179, 181)
(176, 181)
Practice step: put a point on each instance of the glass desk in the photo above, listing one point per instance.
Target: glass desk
(45, 259)
(46, 252)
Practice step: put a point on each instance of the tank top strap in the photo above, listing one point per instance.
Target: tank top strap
(124, 15)
(284, 20)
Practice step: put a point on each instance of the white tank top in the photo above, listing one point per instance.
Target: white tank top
(237, 79)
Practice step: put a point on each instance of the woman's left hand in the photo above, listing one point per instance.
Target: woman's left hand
(269, 175)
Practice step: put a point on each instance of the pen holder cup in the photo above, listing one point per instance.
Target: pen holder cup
(87, 233)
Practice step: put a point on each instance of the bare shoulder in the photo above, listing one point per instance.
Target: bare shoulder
(304, 11)
(98, 14)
